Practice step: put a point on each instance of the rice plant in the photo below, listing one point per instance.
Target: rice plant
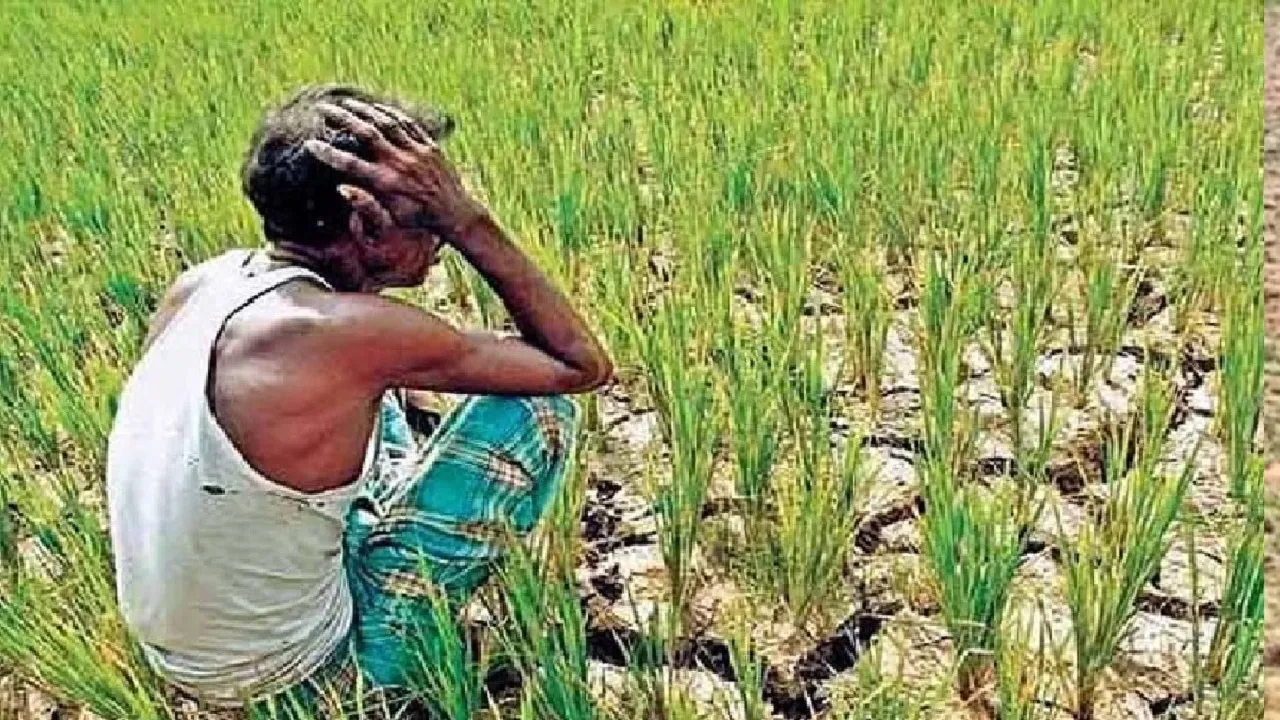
(1015, 347)
(973, 542)
(755, 425)
(1199, 274)
(1026, 670)
(748, 669)
(686, 399)
(1107, 292)
(1241, 387)
(867, 308)
(59, 625)
(447, 671)
(545, 639)
(816, 510)
(651, 688)
(944, 312)
(1114, 556)
(1233, 664)
(877, 695)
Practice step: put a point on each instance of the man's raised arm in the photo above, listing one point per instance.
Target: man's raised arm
(540, 311)
(557, 353)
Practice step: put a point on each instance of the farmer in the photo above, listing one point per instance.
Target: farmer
(278, 533)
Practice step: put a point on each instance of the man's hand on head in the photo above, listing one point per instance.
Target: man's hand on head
(406, 162)
(371, 218)
(406, 173)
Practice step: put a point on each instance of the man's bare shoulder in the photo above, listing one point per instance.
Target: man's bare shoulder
(175, 298)
(185, 285)
(346, 311)
(375, 338)
(356, 327)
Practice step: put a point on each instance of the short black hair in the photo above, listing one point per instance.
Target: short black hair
(295, 194)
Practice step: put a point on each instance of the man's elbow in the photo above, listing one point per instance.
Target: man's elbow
(590, 377)
(603, 374)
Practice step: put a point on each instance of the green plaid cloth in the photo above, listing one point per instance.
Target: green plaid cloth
(433, 522)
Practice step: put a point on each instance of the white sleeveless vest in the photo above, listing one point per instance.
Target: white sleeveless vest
(233, 583)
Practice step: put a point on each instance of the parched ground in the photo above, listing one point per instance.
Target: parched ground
(888, 617)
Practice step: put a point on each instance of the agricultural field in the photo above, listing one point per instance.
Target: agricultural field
(938, 326)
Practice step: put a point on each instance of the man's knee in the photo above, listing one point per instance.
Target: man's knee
(551, 419)
(557, 418)
(540, 433)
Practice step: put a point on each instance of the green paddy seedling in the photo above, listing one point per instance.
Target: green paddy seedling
(1015, 346)
(815, 512)
(867, 308)
(1116, 553)
(1202, 277)
(1240, 380)
(755, 421)
(688, 410)
(879, 695)
(972, 540)
(1026, 671)
(544, 637)
(748, 668)
(59, 626)
(947, 298)
(1107, 293)
(1233, 664)
(448, 672)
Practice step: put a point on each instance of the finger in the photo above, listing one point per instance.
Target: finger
(368, 132)
(413, 127)
(356, 227)
(386, 124)
(370, 113)
(374, 175)
(367, 207)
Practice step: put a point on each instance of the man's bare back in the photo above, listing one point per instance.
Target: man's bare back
(270, 362)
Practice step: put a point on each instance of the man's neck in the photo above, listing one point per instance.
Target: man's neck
(341, 276)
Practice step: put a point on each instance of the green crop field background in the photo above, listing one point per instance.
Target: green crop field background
(938, 327)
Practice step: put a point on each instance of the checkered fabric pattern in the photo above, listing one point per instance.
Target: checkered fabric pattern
(434, 521)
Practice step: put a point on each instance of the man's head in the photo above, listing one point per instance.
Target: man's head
(296, 194)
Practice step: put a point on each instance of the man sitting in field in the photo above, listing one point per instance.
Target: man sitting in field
(274, 525)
